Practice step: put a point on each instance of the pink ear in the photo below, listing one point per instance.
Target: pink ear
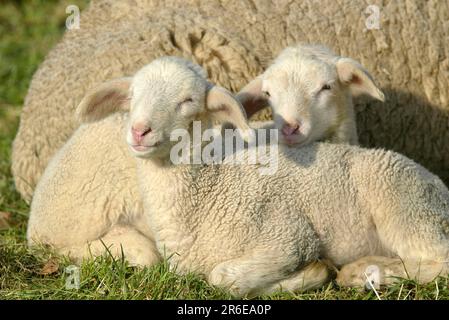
(358, 79)
(252, 98)
(105, 99)
(222, 106)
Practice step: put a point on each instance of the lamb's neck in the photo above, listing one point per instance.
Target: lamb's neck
(168, 205)
(162, 174)
(163, 180)
(344, 130)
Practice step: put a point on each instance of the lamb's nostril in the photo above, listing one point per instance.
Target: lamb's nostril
(290, 129)
(144, 133)
(296, 128)
(139, 132)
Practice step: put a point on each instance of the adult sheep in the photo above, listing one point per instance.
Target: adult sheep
(233, 41)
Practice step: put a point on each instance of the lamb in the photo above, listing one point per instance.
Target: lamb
(87, 202)
(408, 54)
(310, 91)
(333, 201)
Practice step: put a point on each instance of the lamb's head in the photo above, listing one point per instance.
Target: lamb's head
(310, 91)
(166, 95)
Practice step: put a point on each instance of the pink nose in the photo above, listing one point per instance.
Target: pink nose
(289, 129)
(139, 131)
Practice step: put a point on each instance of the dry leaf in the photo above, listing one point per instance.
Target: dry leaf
(50, 267)
(5, 218)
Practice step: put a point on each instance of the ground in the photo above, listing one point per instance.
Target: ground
(28, 28)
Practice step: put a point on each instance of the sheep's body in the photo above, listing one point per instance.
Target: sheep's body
(89, 192)
(118, 37)
(333, 201)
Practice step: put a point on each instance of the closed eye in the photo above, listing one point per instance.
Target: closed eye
(326, 87)
(188, 100)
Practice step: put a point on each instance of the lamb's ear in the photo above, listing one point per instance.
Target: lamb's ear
(107, 98)
(252, 98)
(358, 79)
(223, 107)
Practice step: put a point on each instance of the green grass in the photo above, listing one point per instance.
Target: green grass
(27, 30)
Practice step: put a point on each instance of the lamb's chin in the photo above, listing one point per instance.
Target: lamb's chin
(141, 151)
(294, 141)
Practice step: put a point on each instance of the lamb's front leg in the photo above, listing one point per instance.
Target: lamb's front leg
(246, 275)
(313, 276)
(120, 239)
(265, 267)
(279, 252)
(250, 276)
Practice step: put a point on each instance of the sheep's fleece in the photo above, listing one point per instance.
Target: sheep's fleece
(326, 200)
(234, 41)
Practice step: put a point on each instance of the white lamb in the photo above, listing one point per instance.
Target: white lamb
(87, 201)
(259, 233)
(310, 91)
